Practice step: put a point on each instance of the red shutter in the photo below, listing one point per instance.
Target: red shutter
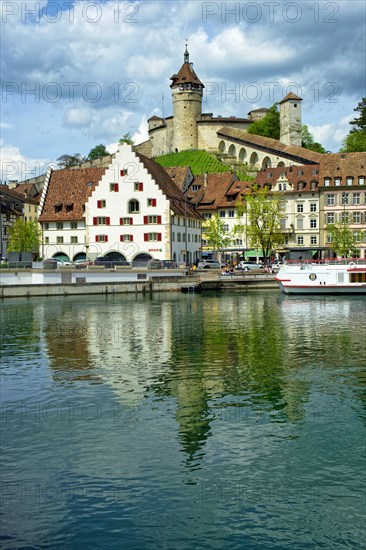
(146, 236)
(131, 221)
(131, 238)
(99, 204)
(106, 238)
(108, 221)
(95, 221)
(153, 203)
(121, 221)
(97, 238)
(159, 219)
(141, 186)
(122, 172)
(121, 238)
(146, 220)
(159, 236)
(116, 187)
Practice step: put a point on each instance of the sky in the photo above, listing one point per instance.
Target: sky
(79, 73)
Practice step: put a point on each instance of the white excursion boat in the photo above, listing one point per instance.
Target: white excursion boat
(331, 278)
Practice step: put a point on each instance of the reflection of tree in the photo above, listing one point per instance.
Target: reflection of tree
(228, 348)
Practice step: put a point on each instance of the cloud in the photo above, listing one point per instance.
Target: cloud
(16, 166)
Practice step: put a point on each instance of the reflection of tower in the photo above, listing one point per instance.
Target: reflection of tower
(290, 120)
(187, 106)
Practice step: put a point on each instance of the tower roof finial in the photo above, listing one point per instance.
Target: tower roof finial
(186, 54)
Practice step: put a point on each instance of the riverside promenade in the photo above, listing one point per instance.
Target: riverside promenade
(93, 280)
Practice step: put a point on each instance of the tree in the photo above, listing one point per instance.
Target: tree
(268, 126)
(342, 240)
(355, 141)
(98, 152)
(24, 236)
(264, 210)
(307, 141)
(68, 161)
(126, 138)
(214, 233)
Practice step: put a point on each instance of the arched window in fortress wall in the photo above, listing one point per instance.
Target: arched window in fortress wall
(242, 154)
(266, 163)
(222, 146)
(254, 159)
(232, 151)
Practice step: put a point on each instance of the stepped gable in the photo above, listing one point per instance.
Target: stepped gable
(68, 191)
(179, 204)
(294, 152)
(342, 165)
(297, 176)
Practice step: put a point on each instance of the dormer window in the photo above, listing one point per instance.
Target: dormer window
(58, 207)
(69, 207)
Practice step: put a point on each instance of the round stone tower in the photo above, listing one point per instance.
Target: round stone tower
(187, 92)
(290, 120)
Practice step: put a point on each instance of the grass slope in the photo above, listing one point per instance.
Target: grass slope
(199, 161)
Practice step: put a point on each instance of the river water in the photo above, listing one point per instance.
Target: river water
(173, 421)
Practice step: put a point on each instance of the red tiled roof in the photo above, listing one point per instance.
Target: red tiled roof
(295, 175)
(290, 95)
(342, 165)
(69, 187)
(186, 75)
(178, 174)
(298, 154)
(221, 190)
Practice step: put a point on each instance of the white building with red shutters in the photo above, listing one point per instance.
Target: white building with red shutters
(132, 210)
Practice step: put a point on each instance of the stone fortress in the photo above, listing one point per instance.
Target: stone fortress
(227, 137)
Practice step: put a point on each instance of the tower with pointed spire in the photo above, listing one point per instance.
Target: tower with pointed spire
(187, 91)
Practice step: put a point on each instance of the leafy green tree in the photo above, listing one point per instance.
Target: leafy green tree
(263, 209)
(308, 141)
(269, 125)
(355, 141)
(126, 138)
(214, 233)
(99, 151)
(342, 240)
(24, 236)
(68, 161)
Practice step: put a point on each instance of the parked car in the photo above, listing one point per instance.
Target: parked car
(209, 264)
(110, 261)
(56, 262)
(247, 266)
(81, 264)
(169, 264)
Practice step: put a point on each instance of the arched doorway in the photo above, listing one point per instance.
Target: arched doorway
(141, 259)
(61, 256)
(79, 256)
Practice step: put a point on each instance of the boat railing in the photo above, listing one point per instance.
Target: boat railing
(343, 261)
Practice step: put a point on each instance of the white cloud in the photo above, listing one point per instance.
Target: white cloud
(331, 135)
(16, 166)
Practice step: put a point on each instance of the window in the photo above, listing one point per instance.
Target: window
(133, 206)
(314, 172)
(300, 240)
(313, 240)
(356, 198)
(300, 208)
(330, 217)
(330, 199)
(59, 225)
(329, 238)
(238, 242)
(313, 185)
(126, 221)
(69, 207)
(361, 180)
(46, 226)
(59, 240)
(151, 202)
(349, 181)
(222, 213)
(299, 172)
(138, 186)
(101, 204)
(113, 187)
(337, 181)
(126, 238)
(46, 240)
(313, 207)
(345, 198)
(73, 240)
(327, 182)
(152, 236)
(195, 187)
(207, 215)
(179, 238)
(356, 217)
(58, 208)
(283, 224)
(124, 172)
(300, 223)
(344, 217)
(300, 186)
(226, 227)
(73, 225)
(101, 238)
(357, 235)
(152, 219)
(101, 220)
(313, 224)
(231, 213)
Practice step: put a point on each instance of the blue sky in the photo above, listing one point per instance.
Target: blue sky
(79, 73)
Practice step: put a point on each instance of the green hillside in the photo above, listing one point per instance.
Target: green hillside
(199, 161)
